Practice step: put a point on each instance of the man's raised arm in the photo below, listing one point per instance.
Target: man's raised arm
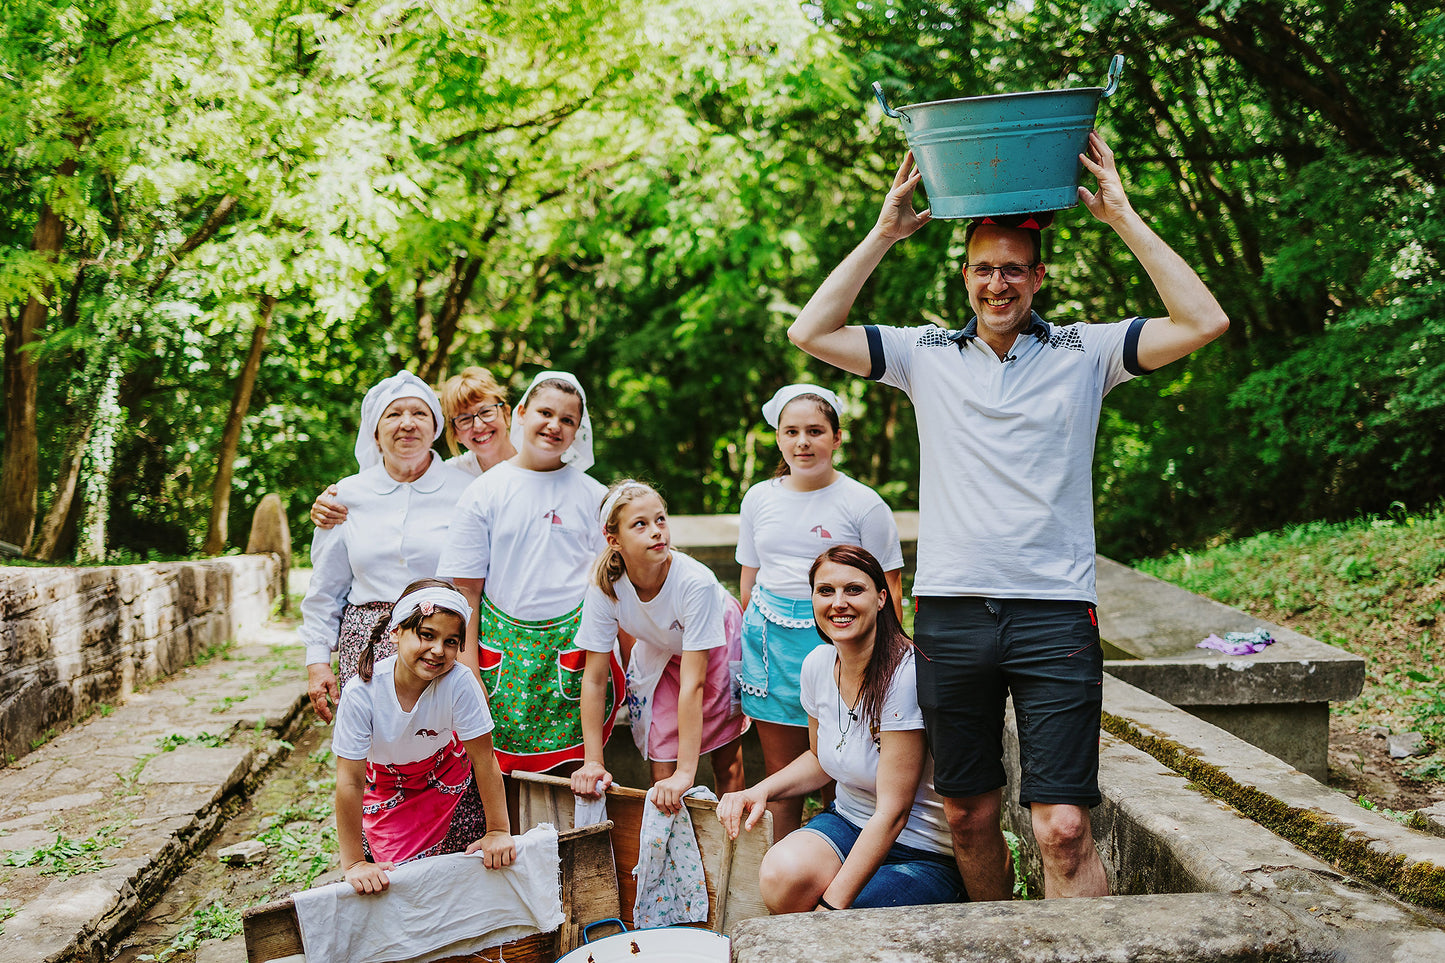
(821, 328)
(1195, 317)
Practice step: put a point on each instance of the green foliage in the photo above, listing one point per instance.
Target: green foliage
(68, 857)
(213, 922)
(1021, 881)
(646, 193)
(1369, 586)
(174, 740)
(302, 852)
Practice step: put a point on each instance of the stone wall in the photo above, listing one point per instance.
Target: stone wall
(75, 638)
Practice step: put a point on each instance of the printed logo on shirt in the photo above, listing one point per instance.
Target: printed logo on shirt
(429, 733)
(1067, 337)
(676, 626)
(552, 514)
(820, 531)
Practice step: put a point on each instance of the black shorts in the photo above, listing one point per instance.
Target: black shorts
(1046, 655)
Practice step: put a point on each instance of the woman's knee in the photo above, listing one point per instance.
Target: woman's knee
(792, 877)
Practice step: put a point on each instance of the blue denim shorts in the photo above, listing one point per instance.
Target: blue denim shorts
(908, 876)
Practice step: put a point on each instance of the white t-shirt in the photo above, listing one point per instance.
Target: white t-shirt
(466, 462)
(685, 615)
(1006, 450)
(371, 725)
(392, 536)
(533, 535)
(855, 766)
(781, 532)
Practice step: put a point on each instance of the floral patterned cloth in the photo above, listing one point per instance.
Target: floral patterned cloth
(671, 887)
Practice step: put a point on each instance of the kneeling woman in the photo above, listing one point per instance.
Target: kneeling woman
(884, 841)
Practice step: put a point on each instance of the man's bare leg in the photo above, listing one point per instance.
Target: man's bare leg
(1065, 837)
(978, 845)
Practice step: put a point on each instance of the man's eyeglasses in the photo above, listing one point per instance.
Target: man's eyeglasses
(1012, 273)
(486, 414)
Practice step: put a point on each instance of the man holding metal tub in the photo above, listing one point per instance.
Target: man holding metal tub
(1007, 412)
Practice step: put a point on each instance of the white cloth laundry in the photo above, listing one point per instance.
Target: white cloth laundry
(589, 812)
(671, 888)
(437, 907)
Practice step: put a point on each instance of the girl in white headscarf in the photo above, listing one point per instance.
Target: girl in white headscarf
(808, 506)
(520, 549)
(401, 503)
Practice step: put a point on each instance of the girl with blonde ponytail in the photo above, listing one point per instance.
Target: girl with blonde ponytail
(688, 628)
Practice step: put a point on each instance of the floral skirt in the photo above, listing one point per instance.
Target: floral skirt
(532, 674)
(357, 624)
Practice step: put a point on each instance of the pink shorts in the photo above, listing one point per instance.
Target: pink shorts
(722, 717)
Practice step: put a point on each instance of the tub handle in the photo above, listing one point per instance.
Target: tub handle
(883, 102)
(1116, 70)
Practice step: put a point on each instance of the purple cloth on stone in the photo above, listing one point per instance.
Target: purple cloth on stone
(1238, 643)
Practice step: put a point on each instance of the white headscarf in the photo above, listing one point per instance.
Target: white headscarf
(773, 410)
(428, 600)
(403, 384)
(579, 454)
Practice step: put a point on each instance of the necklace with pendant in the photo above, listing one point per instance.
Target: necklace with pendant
(852, 715)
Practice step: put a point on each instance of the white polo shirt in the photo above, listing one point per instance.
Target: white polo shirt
(1006, 451)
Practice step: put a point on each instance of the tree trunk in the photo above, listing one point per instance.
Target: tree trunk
(20, 477)
(55, 535)
(231, 437)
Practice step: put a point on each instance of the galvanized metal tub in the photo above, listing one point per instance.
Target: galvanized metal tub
(1002, 153)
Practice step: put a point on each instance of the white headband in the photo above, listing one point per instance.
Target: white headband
(579, 453)
(428, 600)
(773, 410)
(610, 502)
(403, 384)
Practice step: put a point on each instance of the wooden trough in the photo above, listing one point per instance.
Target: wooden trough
(596, 881)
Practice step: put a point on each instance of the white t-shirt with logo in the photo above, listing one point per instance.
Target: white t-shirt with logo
(855, 765)
(371, 724)
(781, 532)
(685, 615)
(533, 536)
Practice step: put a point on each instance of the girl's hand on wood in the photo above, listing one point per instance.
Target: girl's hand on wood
(584, 780)
(498, 849)
(667, 794)
(367, 877)
(734, 806)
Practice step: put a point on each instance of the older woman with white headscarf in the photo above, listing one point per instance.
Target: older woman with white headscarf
(401, 504)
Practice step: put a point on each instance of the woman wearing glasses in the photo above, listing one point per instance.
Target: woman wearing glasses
(478, 420)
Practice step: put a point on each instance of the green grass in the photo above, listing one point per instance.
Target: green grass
(1374, 586)
(302, 854)
(169, 743)
(68, 857)
(213, 922)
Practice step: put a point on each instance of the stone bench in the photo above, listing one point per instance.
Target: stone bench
(1277, 699)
